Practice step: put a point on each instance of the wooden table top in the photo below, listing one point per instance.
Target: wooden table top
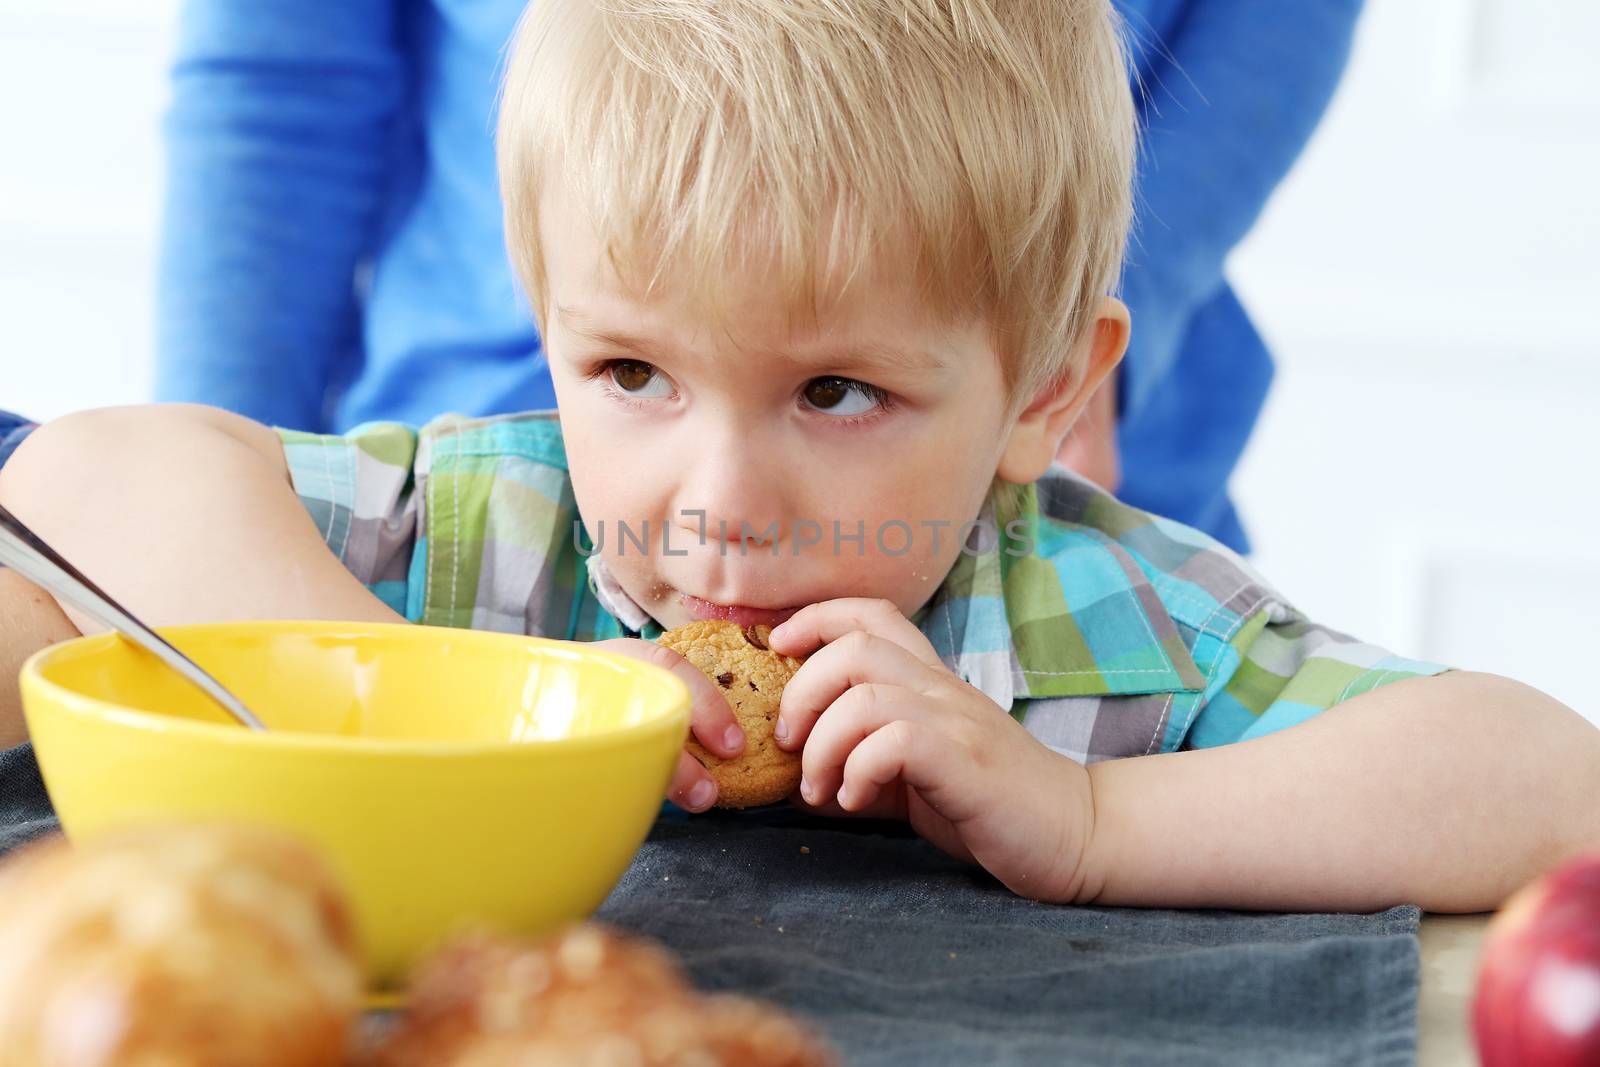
(1450, 946)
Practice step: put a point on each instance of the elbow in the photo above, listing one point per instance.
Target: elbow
(71, 469)
(49, 463)
(1559, 758)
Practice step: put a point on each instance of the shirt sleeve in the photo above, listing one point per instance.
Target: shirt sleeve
(278, 156)
(1226, 102)
(361, 490)
(1278, 669)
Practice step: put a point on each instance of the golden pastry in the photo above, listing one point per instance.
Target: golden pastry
(586, 997)
(191, 946)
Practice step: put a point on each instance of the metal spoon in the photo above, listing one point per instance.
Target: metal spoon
(26, 551)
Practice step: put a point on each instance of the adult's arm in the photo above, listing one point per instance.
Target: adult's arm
(278, 144)
(1229, 99)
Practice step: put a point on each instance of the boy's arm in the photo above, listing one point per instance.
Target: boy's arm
(30, 620)
(1447, 791)
(187, 514)
(184, 514)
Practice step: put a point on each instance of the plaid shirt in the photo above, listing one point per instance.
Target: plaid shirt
(1120, 634)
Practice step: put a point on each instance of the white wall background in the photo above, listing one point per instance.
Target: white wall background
(1427, 473)
(82, 87)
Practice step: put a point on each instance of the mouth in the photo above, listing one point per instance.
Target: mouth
(741, 614)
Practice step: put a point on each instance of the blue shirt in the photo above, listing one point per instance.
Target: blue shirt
(332, 250)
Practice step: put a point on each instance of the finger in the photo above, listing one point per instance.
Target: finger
(817, 624)
(855, 659)
(889, 804)
(880, 760)
(692, 787)
(900, 763)
(913, 760)
(851, 719)
(710, 715)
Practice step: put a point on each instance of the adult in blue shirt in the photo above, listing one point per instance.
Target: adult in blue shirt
(332, 246)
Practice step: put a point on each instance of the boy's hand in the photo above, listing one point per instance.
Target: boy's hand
(887, 727)
(710, 718)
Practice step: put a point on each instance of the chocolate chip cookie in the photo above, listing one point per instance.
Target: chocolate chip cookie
(752, 677)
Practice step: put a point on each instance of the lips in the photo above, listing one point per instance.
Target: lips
(741, 614)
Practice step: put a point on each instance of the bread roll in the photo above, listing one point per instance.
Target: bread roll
(180, 946)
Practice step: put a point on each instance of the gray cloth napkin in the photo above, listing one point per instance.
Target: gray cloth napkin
(25, 811)
(902, 955)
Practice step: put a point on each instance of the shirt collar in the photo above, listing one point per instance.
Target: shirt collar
(1037, 606)
(616, 600)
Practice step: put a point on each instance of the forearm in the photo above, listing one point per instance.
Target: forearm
(1227, 108)
(1448, 792)
(1228, 101)
(185, 514)
(279, 150)
(29, 620)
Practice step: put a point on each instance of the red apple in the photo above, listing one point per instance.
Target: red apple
(1538, 998)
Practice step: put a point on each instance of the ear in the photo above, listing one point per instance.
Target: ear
(1043, 424)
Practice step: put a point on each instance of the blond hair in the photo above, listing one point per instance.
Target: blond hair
(996, 136)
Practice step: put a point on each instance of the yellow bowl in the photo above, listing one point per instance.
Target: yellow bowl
(452, 776)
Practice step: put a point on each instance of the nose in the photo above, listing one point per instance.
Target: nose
(731, 491)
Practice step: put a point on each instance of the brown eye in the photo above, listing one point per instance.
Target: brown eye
(843, 396)
(632, 375)
(825, 393)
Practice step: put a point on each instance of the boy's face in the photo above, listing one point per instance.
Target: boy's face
(875, 414)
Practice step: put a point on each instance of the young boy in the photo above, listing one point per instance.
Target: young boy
(822, 287)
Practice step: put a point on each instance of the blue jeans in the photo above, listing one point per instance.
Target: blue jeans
(13, 428)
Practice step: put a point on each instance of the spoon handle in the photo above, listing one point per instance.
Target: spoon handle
(30, 556)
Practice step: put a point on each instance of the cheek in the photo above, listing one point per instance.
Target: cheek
(906, 579)
(599, 483)
(913, 527)
(943, 486)
(606, 470)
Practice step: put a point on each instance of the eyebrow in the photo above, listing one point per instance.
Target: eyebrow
(574, 318)
(868, 354)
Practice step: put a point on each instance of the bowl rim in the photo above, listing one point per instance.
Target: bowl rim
(71, 702)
